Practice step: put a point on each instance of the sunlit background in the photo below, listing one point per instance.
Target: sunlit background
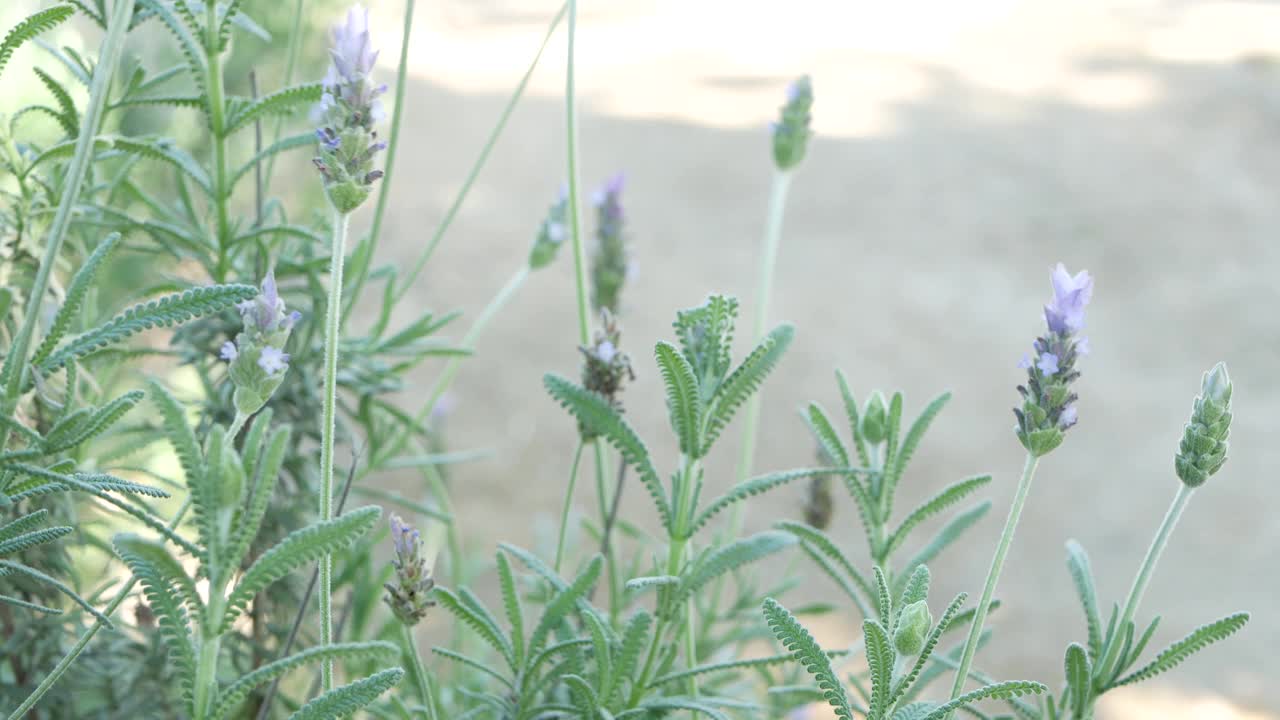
(961, 149)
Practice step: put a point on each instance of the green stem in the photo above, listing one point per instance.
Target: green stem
(449, 216)
(217, 128)
(295, 42)
(384, 192)
(332, 338)
(575, 219)
(237, 425)
(99, 89)
(568, 502)
(993, 575)
(416, 666)
(206, 684)
(87, 636)
(1158, 544)
(764, 292)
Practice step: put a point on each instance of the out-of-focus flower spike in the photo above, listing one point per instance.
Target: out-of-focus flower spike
(791, 132)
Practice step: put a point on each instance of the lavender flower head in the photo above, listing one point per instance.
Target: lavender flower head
(1048, 403)
(605, 368)
(348, 110)
(257, 362)
(610, 264)
(408, 594)
(552, 233)
(791, 132)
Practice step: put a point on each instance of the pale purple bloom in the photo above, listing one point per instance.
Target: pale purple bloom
(405, 538)
(1048, 363)
(1071, 293)
(228, 351)
(606, 352)
(1068, 417)
(352, 57)
(1025, 362)
(1082, 345)
(273, 360)
(444, 406)
(556, 232)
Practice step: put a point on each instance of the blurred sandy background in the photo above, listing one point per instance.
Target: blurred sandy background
(961, 150)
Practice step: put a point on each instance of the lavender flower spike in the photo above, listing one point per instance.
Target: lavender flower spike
(1071, 293)
(257, 360)
(407, 595)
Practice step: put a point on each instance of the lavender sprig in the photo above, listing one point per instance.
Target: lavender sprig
(407, 595)
(610, 265)
(256, 359)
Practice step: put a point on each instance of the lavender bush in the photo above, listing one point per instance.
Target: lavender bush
(256, 591)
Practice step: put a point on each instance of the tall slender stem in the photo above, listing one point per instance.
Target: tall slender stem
(384, 192)
(568, 502)
(575, 215)
(415, 665)
(993, 575)
(764, 292)
(332, 339)
(99, 89)
(217, 128)
(87, 636)
(291, 62)
(1143, 578)
(449, 216)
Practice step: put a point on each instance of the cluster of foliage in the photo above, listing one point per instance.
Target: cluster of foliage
(179, 457)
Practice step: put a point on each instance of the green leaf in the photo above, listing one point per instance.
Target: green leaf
(656, 707)
(27, 522)
(1082, 576)
(652, 581)
(710, 668)
(164, 150)
(731, 557)
(96, 423)
(934, 505)
(912, 440)
(743, 382)
(298, 548)
(164, 312)
(34, 24)
(1199, 639)
(306, 139)
(343, 702)
(511, 604)
(16, 567)
(797, 640)
(166, 568)
(597, 415)
(822, 543)
(851, 411)
(917, 587)
(471, 663)
(280, 102)
(16, 602)
(74, 300)
(487, 630)
(564, 602)
(935, 635)
(1079, 679)
(67, 116)
(229, 700)
(684, 403)
(33, 538)
(949, 533)
(755, 486)
(880, 659)
(818, 422)
(884, 599)
(265, 475)
(192, 51)
(998, 691)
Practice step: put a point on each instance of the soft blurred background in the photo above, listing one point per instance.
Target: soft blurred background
(961, 149)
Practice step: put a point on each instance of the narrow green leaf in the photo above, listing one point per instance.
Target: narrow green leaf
(230, 699)
(34, 24)
(731, 557)
(743, 382)
(684, 403)
(343, 702)
(755, 486)
(826, 435)
(1197, 640)
(934, 505)
(1079, 679)
(797, 640)
(1082, 576)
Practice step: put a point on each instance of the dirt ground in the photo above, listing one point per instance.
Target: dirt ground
(961, 149)
(958, 155)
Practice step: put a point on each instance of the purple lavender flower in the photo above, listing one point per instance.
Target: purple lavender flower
(606, 352)
(1048, 364)
(610, 264)
(408, 594)
(1071, 293)
(257, 360)
(1067, 417)
(228, 351)
(273, 360)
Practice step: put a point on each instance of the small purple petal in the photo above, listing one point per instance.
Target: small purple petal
(273, 360)
(1025, 362)
(1082, 345)
(1048, 364)
(1068, 417)
(229, 351)
(606, 352)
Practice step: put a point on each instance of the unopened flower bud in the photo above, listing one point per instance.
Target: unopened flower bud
(610, 265)
(257, 362)
(875, 419)
(1203, 449)
(606, 369)
(913, 628)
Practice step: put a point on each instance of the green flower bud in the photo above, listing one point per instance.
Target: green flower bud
(875, 419)
(551, 234)
(1203, 449)
(257, 362)
(913, 628)
(791, 132)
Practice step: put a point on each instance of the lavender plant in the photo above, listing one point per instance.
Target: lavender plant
(253, 399)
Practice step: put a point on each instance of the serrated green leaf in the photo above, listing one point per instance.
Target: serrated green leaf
(97, 422)
(1079, 675)
(951, 495)
(74, 300)
(564, 603)
(731, 557)
(912, 441)
(301, 140)
(816, 418)
(164, 150)
(237, 692)
(595, 413)
(1197, 640)
(477, 622)
(22, 524)
(344, 701)
(998, 691)
(1082, 577)
(34, 24)
(822, 543)
(280, 102)
(298, 548)
(67, 115)
(652, 581)
(880, 659)
(21, 569)
(265, 475)
(755, 486)
(511, 605)
(684, 403)
(627, 660)
(947, 535)
(797, 640)
(192, 51)
(743, 382)
(164, 312)
(33, 538)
